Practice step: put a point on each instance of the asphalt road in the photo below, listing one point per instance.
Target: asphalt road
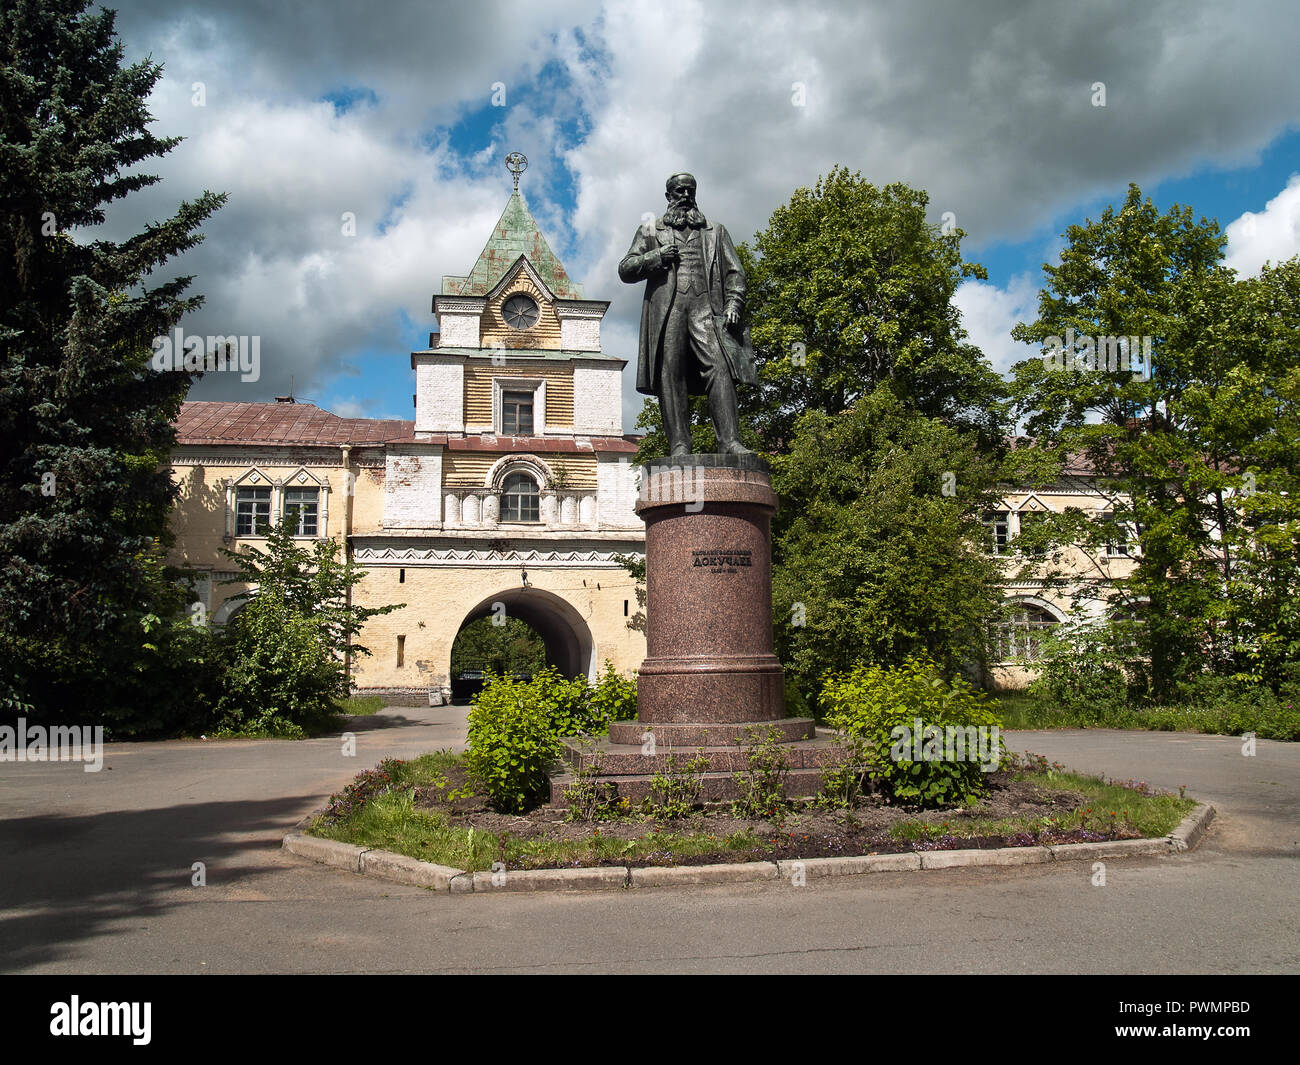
(97, 870)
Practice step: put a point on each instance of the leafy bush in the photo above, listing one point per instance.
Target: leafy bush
(516, 727)
(566, 703)
(1081, 671)
(613, 698)
(512, 741)
(761, 787)
(678, 788)
(882, 706)
(280, 678)
(843, 778)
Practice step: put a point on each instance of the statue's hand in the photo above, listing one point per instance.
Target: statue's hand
(668, 254)
(733, 316)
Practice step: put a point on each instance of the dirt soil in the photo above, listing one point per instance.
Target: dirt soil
(805, 831)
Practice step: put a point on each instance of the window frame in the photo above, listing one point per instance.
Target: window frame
(991, 522)
(253, 517)
(504, 515)
(510, 398)
(286, 506)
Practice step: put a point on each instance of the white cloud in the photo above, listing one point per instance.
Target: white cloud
(989, 313)
(1272, 235)
(987, 106)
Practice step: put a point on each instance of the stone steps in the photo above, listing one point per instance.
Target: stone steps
(615, 759)
(710, 733)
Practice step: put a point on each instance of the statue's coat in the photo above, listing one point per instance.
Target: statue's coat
(726, 289)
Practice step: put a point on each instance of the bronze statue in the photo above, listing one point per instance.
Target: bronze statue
(692, 340)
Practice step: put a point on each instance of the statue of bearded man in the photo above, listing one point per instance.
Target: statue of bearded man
(692, 339)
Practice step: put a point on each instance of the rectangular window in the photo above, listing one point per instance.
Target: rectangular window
(401, 651)
(301, 506)
(252, 510)
(517, 413)
(1117, 537)
(999, 526)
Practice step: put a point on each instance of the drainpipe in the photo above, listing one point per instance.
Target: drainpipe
(349, 492)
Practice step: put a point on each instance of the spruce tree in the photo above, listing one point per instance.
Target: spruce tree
(85, 491)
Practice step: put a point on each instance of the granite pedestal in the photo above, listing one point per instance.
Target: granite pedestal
(710, 679)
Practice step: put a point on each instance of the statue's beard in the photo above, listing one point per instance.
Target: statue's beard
(680, 216)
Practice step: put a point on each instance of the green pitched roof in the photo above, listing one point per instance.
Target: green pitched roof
(516, 234)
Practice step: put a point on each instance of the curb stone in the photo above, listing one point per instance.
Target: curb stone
(592, 878)
(1188, 834)
(853, 865)
(405, 870)
(993, 856)
(685, 875)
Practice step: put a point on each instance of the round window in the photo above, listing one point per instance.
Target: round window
(520, 312)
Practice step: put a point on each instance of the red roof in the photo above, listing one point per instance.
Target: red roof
(206, 423)
(281, 423)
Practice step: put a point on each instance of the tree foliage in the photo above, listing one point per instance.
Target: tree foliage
(850, 288)
(512, 647)
(1199, 449)
(314, 583)
(84, 489)
(873, 562)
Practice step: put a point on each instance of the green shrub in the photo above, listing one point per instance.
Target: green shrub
(613, 698)
(1081, 672)
(512, 741)
(844, 777)
(886, 707)
(678, 788)
(516, 727)
(761, 787)
(566, 703)
(279, 677)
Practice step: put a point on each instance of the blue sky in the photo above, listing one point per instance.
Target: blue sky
(400, 116)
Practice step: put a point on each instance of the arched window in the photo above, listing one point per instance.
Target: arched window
(1018, 638)
(519, 498)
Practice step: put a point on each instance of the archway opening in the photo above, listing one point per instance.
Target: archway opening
(509, 645)
(521, 629)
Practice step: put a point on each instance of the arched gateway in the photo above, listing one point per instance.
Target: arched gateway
(570, 647)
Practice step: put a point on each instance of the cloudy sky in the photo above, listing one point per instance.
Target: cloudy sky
(401, 113)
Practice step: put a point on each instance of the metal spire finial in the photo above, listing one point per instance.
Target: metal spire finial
(516, 163)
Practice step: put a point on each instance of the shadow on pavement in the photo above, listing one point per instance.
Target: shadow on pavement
(54, 896)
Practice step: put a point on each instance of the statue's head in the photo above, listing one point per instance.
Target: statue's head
(679, 190)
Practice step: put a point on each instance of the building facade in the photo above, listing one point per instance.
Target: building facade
(510, 493)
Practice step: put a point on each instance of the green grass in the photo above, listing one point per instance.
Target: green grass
(1107, 807)
(393, 822)
(1017, 709)
(360, 705)
(1271, 721)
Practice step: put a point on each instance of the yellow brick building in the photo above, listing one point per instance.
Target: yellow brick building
(509, 494)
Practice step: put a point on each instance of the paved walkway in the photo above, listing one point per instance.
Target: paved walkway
(96, 870)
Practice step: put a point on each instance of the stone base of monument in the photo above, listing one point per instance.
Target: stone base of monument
(631, 771)
(710, 683)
